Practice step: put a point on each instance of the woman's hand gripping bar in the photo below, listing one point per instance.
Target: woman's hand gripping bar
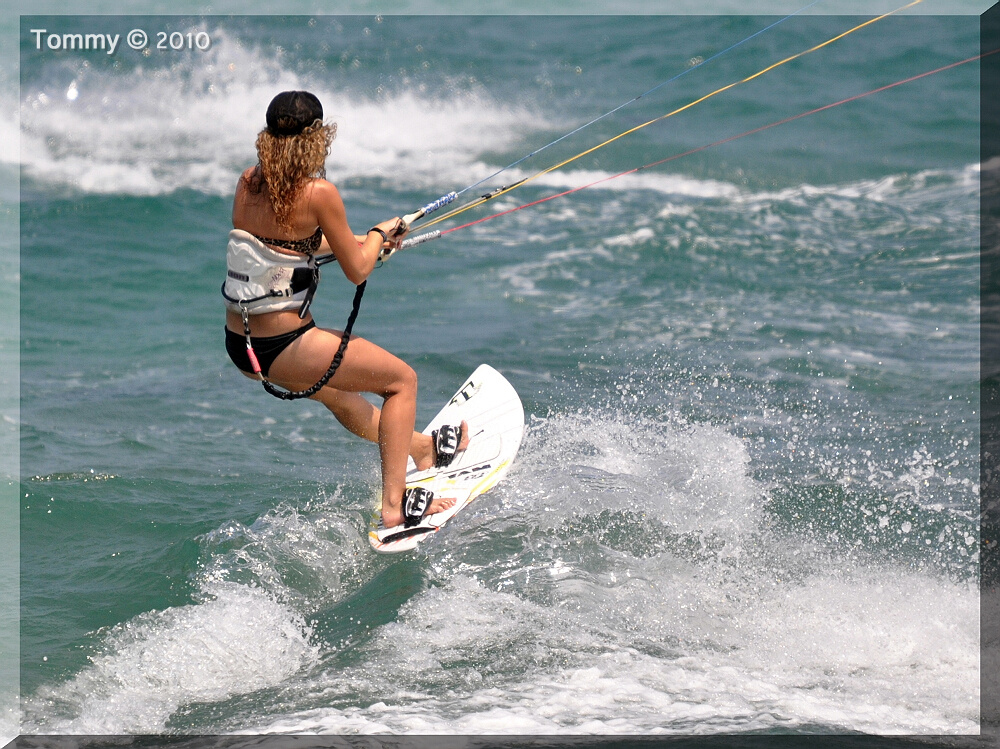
(407, 221)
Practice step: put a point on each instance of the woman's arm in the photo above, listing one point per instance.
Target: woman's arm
(356, 260)
(324, 248)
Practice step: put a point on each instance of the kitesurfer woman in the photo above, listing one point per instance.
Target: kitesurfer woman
(285, 214)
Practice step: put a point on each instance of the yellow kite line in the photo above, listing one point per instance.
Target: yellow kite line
(769, 68)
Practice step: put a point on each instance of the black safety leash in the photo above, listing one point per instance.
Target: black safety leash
(359, 292)
(290, 395)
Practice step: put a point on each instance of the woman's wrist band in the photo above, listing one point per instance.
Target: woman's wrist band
(385, 237)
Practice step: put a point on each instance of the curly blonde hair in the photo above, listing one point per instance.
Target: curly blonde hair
(285, 163)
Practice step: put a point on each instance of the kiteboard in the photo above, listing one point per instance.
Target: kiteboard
(493, 411)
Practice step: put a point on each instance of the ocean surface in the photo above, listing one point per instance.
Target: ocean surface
(747, 497)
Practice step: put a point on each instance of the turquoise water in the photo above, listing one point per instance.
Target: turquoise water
(747, 498)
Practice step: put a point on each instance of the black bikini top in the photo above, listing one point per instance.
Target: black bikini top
(307, 246)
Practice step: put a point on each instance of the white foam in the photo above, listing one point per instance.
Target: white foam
(193, 125)
(599, 631)
(840, 199)
(153, 130)
(661, 182)
(245, 631)
(687, 477)
(317, 547)
(888, 652)
(236, 641)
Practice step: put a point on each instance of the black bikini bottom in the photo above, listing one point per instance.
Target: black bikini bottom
(266, 348)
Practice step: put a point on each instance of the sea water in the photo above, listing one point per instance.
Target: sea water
(747, 496)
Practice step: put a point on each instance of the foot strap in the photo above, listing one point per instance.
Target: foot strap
(446, 442)
(416, 503)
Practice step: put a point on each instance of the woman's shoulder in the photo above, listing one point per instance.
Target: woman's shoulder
(249, 178)
(321, 186)
(321, 192)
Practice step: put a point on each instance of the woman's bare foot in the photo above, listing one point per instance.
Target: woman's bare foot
(391, 517)
(422, 448)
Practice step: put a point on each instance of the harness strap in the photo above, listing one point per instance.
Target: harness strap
(309, 275)
(302, 279)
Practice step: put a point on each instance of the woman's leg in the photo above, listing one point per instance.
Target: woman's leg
(361, 418)
(366, 368)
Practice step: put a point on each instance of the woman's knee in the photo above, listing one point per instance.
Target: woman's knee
(406, 380)
(400, 380)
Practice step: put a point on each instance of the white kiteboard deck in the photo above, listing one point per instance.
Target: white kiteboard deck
(495, 417)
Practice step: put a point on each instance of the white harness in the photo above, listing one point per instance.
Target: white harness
(260, 279)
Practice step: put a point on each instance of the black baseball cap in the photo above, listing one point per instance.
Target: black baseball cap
(291, 112)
